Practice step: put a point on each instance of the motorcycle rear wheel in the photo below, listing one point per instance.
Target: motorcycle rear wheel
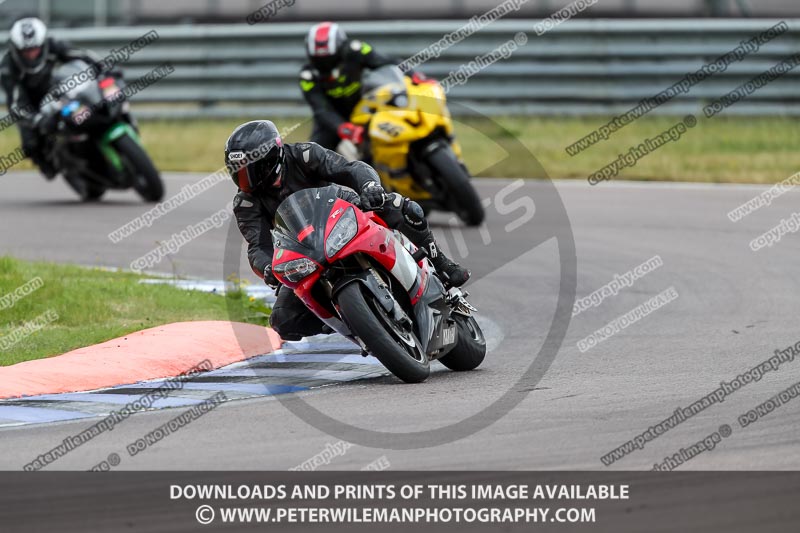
(87, 190)
(470, 349)
(455, 181)
(397, 350)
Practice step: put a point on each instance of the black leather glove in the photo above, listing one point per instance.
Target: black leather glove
(372, 196)
(349, 195)
(269, 278)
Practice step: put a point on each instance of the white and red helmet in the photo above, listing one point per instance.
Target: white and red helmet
(324, 44)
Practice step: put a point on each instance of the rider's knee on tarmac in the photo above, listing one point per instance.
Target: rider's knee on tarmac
(293, 324)
(283, 325)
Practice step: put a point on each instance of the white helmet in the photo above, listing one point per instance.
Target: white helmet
(28, 43)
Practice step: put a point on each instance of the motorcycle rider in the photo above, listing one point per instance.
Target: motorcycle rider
(331, 81)
(25, 74)
(277, 171)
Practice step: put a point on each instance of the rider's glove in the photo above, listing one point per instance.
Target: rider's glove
(372, 196)
(269, 278)
(348, 195)
(351, 132)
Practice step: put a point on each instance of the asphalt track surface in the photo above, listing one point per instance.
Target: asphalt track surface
(735, 307)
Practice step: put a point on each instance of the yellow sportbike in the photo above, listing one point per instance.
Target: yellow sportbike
(409, 141)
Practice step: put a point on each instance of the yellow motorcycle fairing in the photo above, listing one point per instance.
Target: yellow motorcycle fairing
(392, 128)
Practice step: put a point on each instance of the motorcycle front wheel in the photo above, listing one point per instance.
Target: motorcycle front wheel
(146, 180)
(391, 343)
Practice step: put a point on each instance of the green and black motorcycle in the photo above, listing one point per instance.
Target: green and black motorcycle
(92, 139)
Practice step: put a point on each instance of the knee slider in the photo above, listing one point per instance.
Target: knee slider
(413, 214)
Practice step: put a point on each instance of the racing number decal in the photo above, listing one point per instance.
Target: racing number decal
(392, 130)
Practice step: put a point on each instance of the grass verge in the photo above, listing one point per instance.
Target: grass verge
(93, 306)
(722, 149)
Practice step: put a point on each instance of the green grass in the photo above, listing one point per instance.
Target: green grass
(96, 305)
(722, 149)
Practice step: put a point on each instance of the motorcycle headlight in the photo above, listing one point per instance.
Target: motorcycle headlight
(295, 270)
(342, 233)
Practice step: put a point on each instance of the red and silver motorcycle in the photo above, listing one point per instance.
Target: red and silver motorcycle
(372, 285)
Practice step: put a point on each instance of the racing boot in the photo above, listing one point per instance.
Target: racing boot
(415, 227)
(453, 274)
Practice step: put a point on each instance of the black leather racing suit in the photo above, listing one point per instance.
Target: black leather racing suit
(333, 95)
(309, 165)
(25, 91)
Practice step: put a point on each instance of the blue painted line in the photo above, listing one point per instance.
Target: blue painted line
(251, 388)
(118, 399)
(279, 357)
(299, 373)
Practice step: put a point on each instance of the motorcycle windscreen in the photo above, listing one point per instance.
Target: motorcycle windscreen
(75, 80)
(301, 219)
(385, 86)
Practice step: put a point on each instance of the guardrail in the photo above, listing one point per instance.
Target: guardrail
(581, 67)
